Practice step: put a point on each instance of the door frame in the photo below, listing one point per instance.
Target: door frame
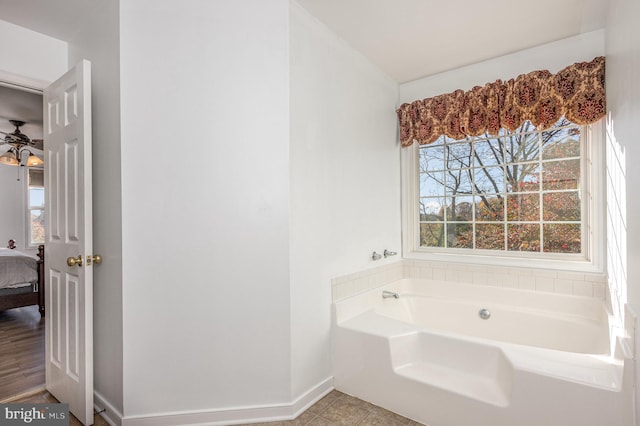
(18, 82)
(27, 84)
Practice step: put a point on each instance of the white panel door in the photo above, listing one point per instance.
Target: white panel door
(69, 283)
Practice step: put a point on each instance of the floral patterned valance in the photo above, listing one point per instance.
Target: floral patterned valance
(577, 93)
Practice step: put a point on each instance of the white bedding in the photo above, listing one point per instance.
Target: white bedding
(17, 268)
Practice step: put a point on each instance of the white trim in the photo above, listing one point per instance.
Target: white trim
(107, 411)
(409, 194)
(596, 172)
(313, 395)
(224, 416)
(19, 82)
(592, 261)
(28, 209)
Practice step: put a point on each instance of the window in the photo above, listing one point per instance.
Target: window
(35, 208)
(525, 194)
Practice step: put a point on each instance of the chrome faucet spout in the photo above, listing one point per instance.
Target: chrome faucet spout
(390, 294)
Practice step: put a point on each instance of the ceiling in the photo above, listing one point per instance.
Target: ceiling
(407, 39)
(411, 39)
(58, 19)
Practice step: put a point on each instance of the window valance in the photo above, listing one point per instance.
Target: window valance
(577, 92)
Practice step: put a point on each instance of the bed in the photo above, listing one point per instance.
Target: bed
(21, 278)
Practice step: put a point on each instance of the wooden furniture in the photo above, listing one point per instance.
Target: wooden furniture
(32, 295)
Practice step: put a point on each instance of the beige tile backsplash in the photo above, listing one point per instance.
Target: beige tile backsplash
(573, 283)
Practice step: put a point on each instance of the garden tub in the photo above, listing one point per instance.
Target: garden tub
(456, 354)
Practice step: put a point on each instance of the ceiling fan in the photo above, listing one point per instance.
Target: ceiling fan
(19, 145)
(17, 137)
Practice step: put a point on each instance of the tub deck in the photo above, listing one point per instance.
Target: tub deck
(387, 354)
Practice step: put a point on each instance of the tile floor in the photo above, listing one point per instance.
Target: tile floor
(338, 408)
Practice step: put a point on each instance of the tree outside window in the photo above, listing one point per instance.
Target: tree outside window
(517, 191)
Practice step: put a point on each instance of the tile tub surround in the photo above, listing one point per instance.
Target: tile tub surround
(348, 285)
(533, 279)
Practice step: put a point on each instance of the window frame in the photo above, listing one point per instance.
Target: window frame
(29, 209)
(592, 210)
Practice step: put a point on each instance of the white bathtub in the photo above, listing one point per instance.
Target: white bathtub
(540, 359)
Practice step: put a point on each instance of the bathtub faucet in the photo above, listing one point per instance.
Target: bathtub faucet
(389, 294)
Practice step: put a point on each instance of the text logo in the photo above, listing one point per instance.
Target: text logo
(34, 414)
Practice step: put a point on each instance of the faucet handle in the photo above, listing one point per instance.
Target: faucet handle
(376, 256)
(388, 253)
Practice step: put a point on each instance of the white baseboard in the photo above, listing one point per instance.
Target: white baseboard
(310, 397)
(231, 416)
(107, 410)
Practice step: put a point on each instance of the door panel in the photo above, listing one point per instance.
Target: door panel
(69, 287)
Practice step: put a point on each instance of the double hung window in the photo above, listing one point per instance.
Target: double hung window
(522, 194)
(35, 207)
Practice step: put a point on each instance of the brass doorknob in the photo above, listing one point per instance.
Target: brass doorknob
(96, 259)
(72, 261)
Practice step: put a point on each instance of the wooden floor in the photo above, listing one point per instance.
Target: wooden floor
(22, 376)
(21, 352)
(44, 397)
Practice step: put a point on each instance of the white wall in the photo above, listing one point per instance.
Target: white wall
(345, 182)
(623, 104)
(97, 40)
(12, 205)
(205, 204)
(32, 59)
(31, 55)
(551, 56)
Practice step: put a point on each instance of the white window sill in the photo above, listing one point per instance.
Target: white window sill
(569, 264)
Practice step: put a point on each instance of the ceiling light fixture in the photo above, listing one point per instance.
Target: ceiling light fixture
(14, 157)
(20, 145)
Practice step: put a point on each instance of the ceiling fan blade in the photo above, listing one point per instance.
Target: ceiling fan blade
(9, 138)
(38, 144)
(18, 138)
